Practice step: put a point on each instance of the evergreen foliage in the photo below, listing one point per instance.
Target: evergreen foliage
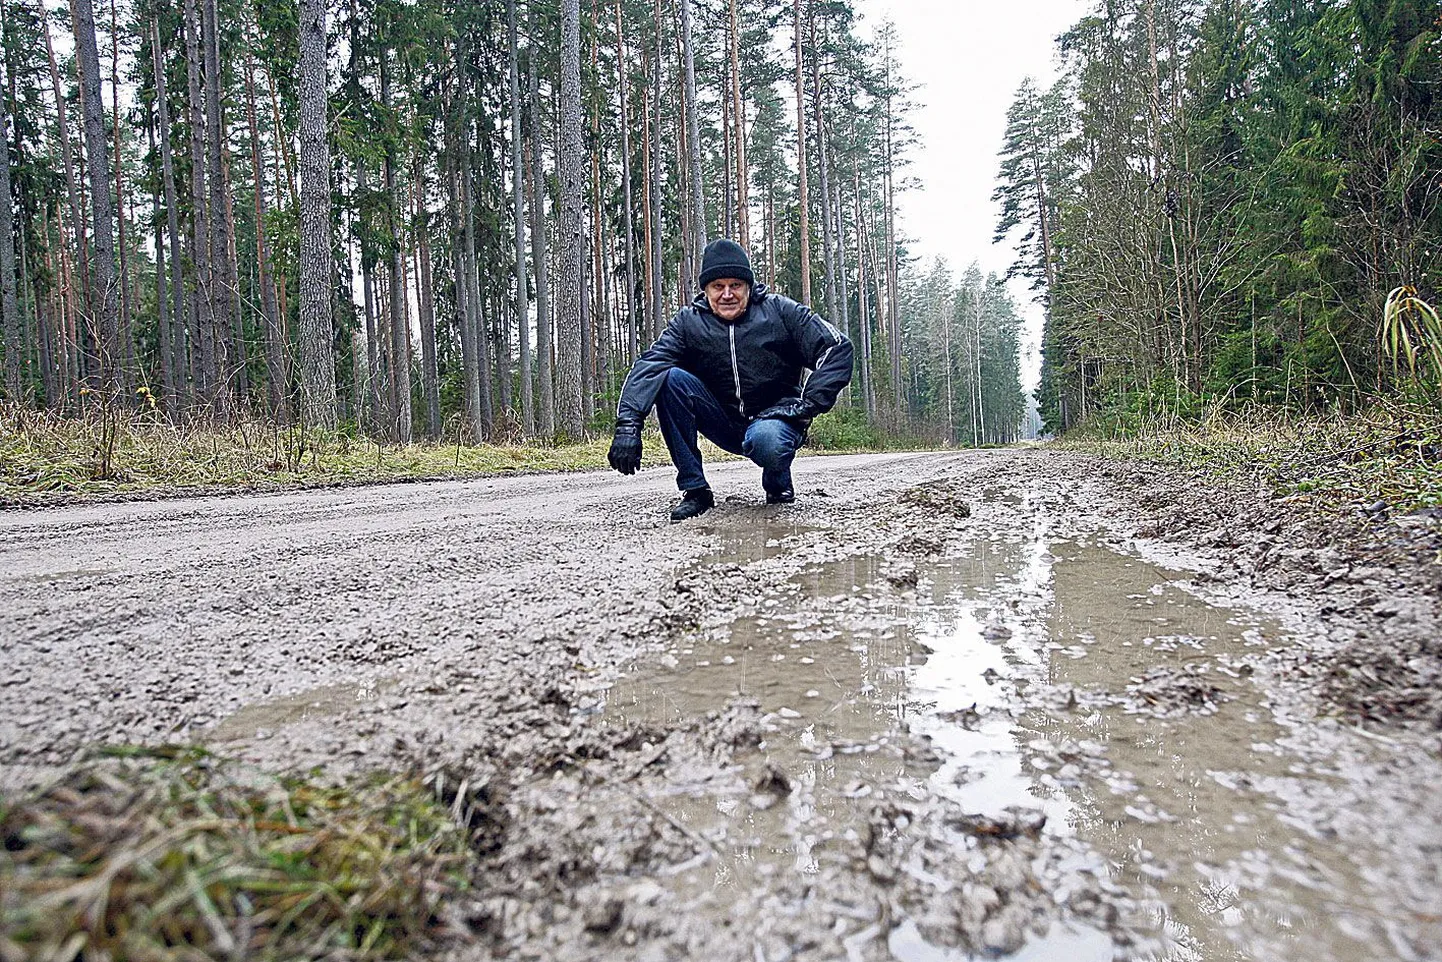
(1218, 197)
(369, 220)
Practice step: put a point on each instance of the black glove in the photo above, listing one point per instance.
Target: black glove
(795, 413)
(625, 454)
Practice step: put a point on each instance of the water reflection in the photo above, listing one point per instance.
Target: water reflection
(271, 714)
(833, 694)
(1189, 811)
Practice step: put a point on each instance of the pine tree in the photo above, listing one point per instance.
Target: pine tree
(317, 360)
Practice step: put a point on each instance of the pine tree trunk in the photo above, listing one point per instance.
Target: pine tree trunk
(105, 312)
(648, 225)
(275, 368)
(844, 312)
(203, 319)
(128, 367)
(77, 296)
(164, 329)
(9, 307)
(494, 310)
(470, 384)
(176, 363)
(69, 347)
(632, 338)
(545, 394)
(240, 357)
(475, 318)
(317, 358)
(863, 300)
(728, 170)
(980, 384)
(594, 318)
(430, 376)
(770, 228)
(685, 206)
(45, 318)
(375, 380)
(400, 327)
(545, 387)
(32, 344)
(657, 264)
(738, 118)
(893, 314)
(570, 293)
(697, 232)
(518, 213)
(802, 200)
(829, 240)
(283, 149)
(822, 156)
(222, 268)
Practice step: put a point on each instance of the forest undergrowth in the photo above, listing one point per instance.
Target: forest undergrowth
(1381, 460)
(133, 454)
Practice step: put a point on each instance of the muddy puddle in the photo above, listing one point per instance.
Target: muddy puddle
(1047, 673)
(260, 719)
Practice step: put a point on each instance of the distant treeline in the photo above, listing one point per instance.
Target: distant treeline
(455, 217)
(1217, 198)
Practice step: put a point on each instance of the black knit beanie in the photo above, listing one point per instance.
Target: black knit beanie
(725, 258)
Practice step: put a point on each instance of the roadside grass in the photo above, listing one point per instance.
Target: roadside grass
(176, 854)
(43, 453)
(1388, 458)
(46, 457)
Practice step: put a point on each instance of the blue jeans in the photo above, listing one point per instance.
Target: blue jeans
(685, 407)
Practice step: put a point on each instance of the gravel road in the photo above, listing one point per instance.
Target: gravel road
(1015, 701)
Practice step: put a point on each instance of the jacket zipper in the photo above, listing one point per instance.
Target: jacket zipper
(736, 369)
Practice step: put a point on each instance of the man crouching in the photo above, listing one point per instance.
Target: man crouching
(731, 366)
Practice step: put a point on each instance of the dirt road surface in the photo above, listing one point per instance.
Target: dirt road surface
(1019, 703)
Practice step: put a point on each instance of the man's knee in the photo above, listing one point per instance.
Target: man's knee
(769, 443)
(681, 383)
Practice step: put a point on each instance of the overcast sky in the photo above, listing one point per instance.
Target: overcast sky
(968, 58)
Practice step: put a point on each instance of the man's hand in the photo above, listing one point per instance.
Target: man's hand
(792, 412)
(625, 454)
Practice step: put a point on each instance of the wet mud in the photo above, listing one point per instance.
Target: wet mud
(1002, 704)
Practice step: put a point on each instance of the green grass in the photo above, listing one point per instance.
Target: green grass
(1391, 453)
(175, 854)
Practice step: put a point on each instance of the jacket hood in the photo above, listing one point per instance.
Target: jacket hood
(759, 293)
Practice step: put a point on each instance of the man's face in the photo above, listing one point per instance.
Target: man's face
(728, 297)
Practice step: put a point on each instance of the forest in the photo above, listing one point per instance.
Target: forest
(1233, 205)
(460, 219)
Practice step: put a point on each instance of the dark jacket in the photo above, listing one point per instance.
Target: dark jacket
(751, 365)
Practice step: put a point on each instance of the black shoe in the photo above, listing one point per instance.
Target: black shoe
(693, 503)
(784, 496)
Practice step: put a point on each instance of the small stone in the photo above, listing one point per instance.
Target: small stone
(603, 917)
(1000, 937)
(773, 782)
(879, 869)
(646, 892)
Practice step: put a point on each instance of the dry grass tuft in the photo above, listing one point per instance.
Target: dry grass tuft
(171, 854)
(1390, 454)
(44, 454)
